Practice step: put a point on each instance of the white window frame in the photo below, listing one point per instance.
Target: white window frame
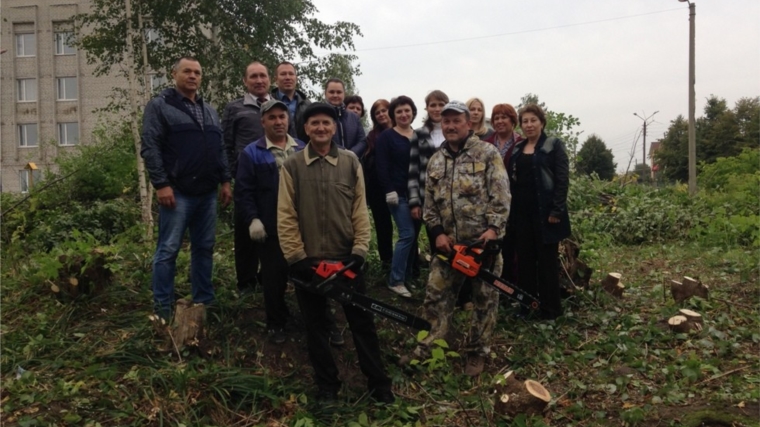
(157, 81)
(22, 89)
(153, 35)
(60, 83)
(63, 139)
(23, 179)
(23, 135)
(21, 45)
(61, 43)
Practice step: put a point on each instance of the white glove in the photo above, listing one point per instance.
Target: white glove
(256, 230)
(391, 198)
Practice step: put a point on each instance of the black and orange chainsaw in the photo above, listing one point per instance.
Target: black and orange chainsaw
(325, 283)
(468, 259)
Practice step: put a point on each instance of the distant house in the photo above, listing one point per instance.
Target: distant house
(653, 147)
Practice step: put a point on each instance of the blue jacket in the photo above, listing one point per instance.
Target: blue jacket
(349, 132)
(552, 172)
(257, 184)
(178, 152)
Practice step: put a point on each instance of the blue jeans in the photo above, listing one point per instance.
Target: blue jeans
(402, 216)
(198, 213)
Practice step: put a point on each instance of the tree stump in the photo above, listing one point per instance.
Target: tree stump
(187, 329)
(514, 397)
(686, 321)
(690, 287)
(574, 274)
(612, 285)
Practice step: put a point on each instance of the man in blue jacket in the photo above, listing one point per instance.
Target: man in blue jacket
(241, 125)
(256, 187)
(185, 158)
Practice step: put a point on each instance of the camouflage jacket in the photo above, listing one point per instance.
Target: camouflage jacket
(467, 193)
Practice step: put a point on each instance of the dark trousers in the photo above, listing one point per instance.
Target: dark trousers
(274, 280)
(538, 264)
(509, 255)
(313, 308)
(246, 255)
(383, 225)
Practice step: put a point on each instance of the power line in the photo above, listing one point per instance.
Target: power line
(515, 32)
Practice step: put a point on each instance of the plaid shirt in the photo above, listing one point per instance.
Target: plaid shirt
(422, 149)
(196, 108)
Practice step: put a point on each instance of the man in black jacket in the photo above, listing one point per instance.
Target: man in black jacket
(241, 126)
(286, 79)
(186, 161)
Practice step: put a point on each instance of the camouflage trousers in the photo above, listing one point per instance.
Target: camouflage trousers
(441, 294)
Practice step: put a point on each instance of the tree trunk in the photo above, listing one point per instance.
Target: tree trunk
(689, 288)
(134, 113)
(612, 285)
(514, 397)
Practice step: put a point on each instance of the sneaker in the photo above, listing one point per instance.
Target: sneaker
(401, 290)
(336, 338)
(384, 397)
(474, 366)
(277, 336)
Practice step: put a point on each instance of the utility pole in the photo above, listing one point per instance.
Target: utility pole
(692, 131)
(644, 145)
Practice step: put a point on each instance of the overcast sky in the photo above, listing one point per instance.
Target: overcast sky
(600, 61)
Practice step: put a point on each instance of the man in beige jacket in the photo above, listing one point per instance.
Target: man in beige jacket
(322, 215)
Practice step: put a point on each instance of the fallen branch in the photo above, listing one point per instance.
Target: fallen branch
(713, 378)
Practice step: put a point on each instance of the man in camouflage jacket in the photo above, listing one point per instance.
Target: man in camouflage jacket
(466, 198)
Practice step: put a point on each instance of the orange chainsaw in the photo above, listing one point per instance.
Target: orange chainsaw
(468, 260)
(325, 283)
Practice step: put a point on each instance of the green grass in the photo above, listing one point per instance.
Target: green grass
(98, 361)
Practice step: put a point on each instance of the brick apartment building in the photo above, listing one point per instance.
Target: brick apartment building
(47, 90)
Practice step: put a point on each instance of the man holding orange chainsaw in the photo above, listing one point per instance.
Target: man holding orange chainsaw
(322, 216)
(467, 198)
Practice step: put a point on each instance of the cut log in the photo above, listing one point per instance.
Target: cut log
(514, 397)
(693, 316)
(187, 329)
(612, 285)
(683, 325)
(690, 287)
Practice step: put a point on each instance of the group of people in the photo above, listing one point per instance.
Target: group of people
(305, 174)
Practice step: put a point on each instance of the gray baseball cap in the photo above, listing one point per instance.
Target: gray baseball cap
(271, 104)
(456, 106)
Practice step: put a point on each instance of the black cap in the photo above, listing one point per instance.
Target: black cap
(319, 108)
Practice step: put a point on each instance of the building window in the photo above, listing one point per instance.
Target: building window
(27, 90)
(25, 181)
(67, 88)
(157, 82)
(68, 133)
(27, 135)
(26, 45)
(153, 35)
(62, 44)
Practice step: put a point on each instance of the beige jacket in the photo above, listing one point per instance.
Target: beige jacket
(321, 206)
